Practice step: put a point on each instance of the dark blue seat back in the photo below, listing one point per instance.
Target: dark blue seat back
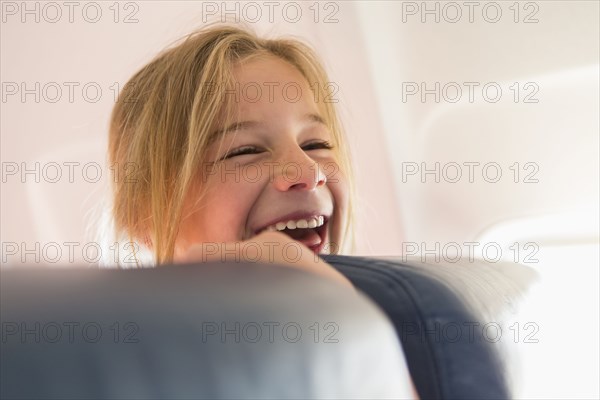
(447, 355)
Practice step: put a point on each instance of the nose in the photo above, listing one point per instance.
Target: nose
(297, 171)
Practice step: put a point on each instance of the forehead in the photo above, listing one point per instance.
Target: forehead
(270, 85)
(267, 92)
(266, 69)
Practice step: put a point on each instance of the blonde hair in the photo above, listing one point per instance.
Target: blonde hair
(161, 125)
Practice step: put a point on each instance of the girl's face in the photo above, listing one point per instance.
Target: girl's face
(275, 168)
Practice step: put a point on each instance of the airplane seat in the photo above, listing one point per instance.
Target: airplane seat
(190, 331)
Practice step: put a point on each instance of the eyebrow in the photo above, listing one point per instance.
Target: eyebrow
(243, 125)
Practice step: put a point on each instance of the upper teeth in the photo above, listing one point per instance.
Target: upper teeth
(298, 223)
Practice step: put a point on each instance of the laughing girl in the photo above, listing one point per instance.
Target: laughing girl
(236, 152)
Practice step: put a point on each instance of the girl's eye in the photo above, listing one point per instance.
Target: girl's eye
(244, 150)
(317, 146)
(241, 151)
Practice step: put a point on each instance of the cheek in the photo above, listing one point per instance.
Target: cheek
(226, 206)
(340, 192)
(337, 183)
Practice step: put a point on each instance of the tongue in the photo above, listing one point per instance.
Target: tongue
(308, 237)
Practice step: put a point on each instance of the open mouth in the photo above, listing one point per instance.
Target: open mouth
(310, 231)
